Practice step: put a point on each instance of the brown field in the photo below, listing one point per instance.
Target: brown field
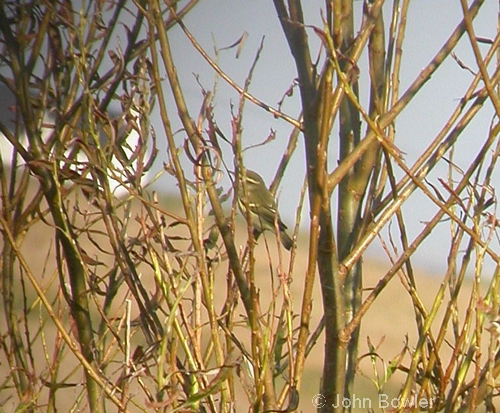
(389, 320)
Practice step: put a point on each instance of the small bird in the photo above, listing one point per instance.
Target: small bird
(262, 208)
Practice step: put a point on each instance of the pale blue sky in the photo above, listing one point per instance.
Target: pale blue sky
(219, 23)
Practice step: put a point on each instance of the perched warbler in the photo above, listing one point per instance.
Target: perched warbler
(262, 206)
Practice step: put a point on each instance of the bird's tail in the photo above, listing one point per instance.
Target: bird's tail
(286, 240)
